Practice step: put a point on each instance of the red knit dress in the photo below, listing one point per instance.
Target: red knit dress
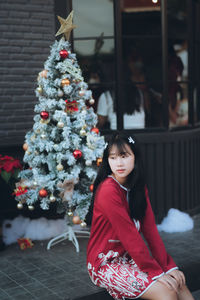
(117, 256)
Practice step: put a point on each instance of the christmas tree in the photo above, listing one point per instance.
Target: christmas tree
(64, 148)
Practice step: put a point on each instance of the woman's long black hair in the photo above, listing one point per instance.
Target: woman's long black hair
(136, 181)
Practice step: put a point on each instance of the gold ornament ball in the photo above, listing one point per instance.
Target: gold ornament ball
(59, 167)
(70, 213)
(82, 132)
(44, 121)
(30, 207)
(83, 224)
(52, 198)
(39, 89)
(99, 161)
(65, 81)
(91, 101)
(60, 124)
(76, 220)
(43, 73)
(19, 205)
(25, 146)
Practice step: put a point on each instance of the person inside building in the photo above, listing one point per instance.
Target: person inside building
(135, 97)
(118, 259)
(175, 70)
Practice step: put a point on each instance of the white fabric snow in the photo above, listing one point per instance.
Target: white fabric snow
(176, 221)
(36, 229)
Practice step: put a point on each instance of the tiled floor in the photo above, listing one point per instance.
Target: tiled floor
(60, 273)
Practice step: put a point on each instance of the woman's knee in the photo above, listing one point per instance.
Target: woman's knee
(158, 291)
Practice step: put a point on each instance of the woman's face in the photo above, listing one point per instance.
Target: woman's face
(122, 163)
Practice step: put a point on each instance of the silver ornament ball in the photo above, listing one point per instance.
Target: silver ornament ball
(19, 205)
(52, 198)
(60, 124)
(82, 132)
(60, 93)
(83, 224)
(70, 213)
(91, 101)
(88, 162)
(30, 207)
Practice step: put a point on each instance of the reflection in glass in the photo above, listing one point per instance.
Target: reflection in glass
(88, 47)
(106, 110)
(177, 63)
(97, 65)
(142, 82)
(94, 58)
(93, 17)
(196, 88)
(177, 86)
(178, 114)
(142, 64)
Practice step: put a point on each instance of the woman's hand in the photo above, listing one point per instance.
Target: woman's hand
(169, 281)
(179, 276)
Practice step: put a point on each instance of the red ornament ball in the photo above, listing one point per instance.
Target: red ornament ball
(77, 154)
(64, 53)
(91, 187)
(43, 193)
(95, 130)
(44, 115)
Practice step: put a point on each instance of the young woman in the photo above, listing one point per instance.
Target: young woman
(117, 256)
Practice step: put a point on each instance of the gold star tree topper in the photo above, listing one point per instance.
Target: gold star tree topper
(66, 26)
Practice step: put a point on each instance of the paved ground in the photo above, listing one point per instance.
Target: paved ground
(60, 273)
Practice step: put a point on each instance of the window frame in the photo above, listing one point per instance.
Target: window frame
(67, 5)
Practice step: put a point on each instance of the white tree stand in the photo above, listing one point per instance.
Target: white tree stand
(70, 235)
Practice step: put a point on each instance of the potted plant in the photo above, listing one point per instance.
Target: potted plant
(9, 169)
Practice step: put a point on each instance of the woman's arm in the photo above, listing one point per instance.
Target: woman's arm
(156, 245)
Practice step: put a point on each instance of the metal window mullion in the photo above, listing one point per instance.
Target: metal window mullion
(165, 109)
(118, 63)
(191, 56)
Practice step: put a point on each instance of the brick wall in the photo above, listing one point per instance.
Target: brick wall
(26, 31)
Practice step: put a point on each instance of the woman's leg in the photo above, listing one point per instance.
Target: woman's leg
(159, 291)
(184, 294)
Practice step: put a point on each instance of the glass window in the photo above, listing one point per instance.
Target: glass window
(142, 64)
(96, 60)
(196, 87)
(177, 62)
(93, 17)
(95, 47)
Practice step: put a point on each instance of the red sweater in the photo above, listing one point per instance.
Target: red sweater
(113, 229)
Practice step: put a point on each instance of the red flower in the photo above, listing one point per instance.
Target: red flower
(20, 191)
(71, 106)
(9, 164)
(25, 243)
